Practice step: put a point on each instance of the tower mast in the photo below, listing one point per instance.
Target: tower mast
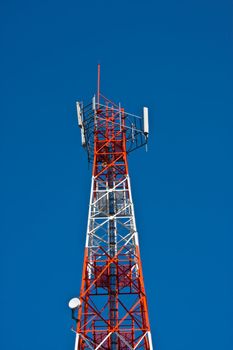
(111, 311)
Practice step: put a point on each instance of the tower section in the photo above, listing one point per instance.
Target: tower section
(111, 311)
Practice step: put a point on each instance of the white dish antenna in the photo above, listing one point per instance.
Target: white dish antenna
(74, 303)
(145, 121)
(79, 114)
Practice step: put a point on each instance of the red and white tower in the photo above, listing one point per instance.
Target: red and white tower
(111, 311)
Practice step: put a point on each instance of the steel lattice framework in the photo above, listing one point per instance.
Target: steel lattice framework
(113, 311)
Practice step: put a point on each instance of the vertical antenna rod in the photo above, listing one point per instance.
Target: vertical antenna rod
(98, 86)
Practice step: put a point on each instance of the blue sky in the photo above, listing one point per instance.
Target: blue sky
(176, 58)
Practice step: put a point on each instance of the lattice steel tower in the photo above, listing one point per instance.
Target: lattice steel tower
(111, 311)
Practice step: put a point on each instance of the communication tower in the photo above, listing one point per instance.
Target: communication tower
(111, 311)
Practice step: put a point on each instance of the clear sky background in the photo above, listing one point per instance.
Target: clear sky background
(176, 58)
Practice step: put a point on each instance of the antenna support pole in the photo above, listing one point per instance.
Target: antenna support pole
(98, 86)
